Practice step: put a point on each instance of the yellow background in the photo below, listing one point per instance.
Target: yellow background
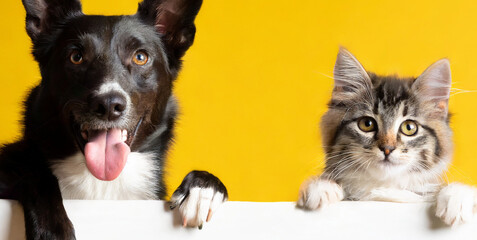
(256, 80)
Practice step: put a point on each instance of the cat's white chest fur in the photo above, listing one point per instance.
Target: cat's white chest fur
(138, 180)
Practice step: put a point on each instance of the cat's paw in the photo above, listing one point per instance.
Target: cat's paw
(456, 204)
(316, 193)
(198, 197)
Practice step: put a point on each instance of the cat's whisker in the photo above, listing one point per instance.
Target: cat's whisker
(339, 155)
(326, 75)
(344, 168)
(456, 91)
(435, 173)
(457, 170)
(362, 164)
(337, 166)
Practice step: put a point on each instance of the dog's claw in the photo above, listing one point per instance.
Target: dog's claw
(209, 216)
(200, 226)
(172, 206)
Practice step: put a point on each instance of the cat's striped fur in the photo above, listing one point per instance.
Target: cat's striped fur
(383, 161)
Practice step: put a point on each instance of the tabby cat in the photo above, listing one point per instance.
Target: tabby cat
(388, 139)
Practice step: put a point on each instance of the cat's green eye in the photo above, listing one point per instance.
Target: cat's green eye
(409, 128)
(367, 124)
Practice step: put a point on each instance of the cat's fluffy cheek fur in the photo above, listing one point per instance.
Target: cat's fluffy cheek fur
(316, 193)
(456, 204)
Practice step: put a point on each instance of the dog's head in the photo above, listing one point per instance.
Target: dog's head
(109, 77)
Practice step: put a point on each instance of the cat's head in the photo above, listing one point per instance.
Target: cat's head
(385, 125)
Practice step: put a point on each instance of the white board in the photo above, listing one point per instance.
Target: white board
(117, 220)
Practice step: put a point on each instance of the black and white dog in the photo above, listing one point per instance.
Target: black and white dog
(99, 123)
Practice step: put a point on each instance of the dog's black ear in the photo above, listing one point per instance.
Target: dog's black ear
(174, 19)
(41, 15)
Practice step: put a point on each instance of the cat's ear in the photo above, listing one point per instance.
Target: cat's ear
(434, 85)
(174, 20)
(41, 15)
(351, 79)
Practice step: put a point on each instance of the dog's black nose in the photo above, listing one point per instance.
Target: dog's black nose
(108, 106)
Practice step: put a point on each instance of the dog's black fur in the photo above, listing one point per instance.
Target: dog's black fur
(77, 55)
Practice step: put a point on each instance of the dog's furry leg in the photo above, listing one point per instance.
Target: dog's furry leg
(45, 215)
(25, 177)
(198, 197)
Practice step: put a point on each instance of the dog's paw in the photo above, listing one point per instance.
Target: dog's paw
(198, 197)
(456, 204)
(316, 193)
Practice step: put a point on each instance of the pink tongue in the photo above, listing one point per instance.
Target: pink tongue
(106, 154)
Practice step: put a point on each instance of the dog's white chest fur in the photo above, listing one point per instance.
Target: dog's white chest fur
(138, 180)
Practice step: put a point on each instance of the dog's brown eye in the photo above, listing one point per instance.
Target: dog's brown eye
(76, 57)
(409, 127)
(367, 124)
(140, 58)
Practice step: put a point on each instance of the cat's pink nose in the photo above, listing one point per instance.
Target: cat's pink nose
(387, 149)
